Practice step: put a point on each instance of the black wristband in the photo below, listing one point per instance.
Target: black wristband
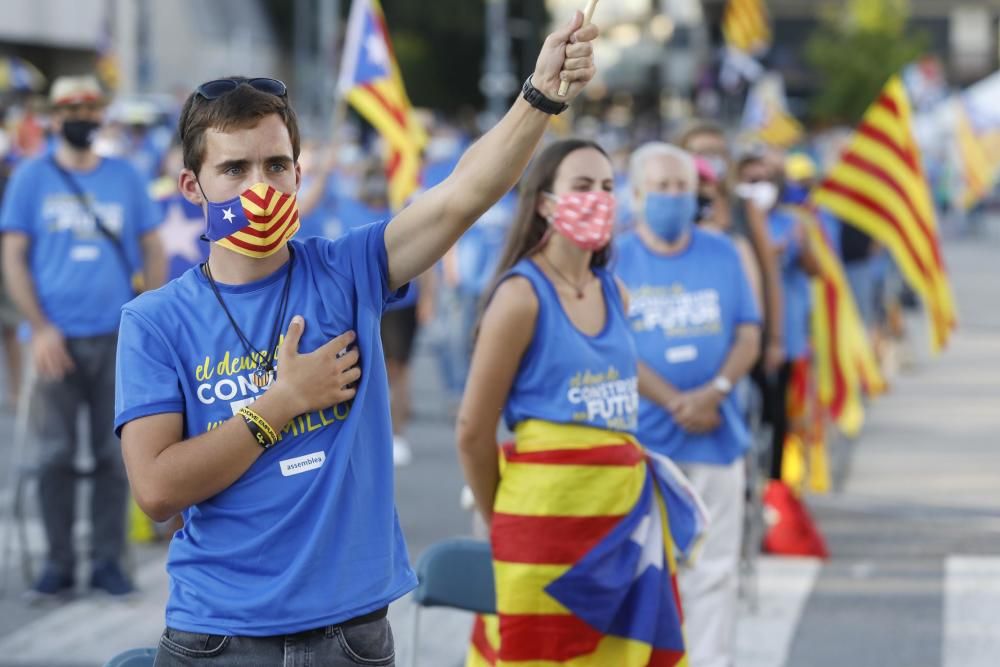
(537, 99)
(262, 438)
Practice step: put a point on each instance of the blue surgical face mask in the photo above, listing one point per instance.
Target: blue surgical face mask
(671, 215)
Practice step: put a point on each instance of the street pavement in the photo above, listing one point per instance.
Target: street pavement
(913, 529)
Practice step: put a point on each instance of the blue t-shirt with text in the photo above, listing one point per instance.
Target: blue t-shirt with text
(308, 536)
(79, 279)
(569, 377)
(684, 311)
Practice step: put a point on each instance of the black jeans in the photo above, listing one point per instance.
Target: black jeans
(774, 389)
(368, 643)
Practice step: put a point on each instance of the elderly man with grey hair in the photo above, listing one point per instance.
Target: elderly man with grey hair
(697, 331)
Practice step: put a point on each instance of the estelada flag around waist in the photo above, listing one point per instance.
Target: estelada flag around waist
(587, 530)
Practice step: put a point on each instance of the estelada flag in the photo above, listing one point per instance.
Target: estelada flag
(371, 82)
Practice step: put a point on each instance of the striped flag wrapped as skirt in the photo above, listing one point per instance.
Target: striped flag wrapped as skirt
(586, 532)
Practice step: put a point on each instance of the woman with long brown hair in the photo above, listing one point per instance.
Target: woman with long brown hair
(582, 549)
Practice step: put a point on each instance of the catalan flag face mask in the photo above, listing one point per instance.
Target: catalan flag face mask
(256, 223)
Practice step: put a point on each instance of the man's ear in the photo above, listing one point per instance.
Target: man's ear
(187, 183)
(298, 176)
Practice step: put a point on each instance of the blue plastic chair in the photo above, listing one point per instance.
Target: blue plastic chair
(136, 657)
(455, 573)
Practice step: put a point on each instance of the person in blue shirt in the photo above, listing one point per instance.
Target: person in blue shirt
(798, 264)
(553, 355)
(76, 227)
(697, 331)
(252, 393)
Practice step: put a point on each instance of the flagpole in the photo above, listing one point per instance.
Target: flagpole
(588, 14)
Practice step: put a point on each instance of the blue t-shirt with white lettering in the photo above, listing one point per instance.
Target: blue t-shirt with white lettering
(308, 536)
(569, 377)
(684, 311)
(79, 279)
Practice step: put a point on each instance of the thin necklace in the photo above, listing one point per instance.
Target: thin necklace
(576, 288)
(264, 374)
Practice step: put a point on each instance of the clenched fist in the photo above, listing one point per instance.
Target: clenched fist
(567, 54)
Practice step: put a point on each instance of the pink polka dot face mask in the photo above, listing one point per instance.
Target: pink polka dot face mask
(585, 218)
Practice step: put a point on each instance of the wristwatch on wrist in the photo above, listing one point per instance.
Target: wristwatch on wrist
(722, 384)
(537, 99)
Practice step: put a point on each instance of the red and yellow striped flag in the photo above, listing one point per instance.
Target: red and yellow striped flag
(978, 171)
(371, 81)
(843, 355)
(879, 186)
(747, 26)
(569, 496)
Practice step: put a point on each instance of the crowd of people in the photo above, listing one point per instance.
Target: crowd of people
(625, 302)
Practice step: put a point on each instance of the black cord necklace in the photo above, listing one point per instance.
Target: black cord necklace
(264, 373)
(576, 288)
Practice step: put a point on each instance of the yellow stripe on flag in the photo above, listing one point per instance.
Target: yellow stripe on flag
(746, 26)
(524, 588)
(544, 489)
(383, 102)
(977, 172)
(535, 435)
(879, 186)
(781, 129)
(841, 345)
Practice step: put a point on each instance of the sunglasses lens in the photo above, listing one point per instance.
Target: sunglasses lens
(215, 89)
(270, 86)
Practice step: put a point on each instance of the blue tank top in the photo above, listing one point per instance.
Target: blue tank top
(569, 377)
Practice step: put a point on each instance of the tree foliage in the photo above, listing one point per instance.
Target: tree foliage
(855, 52)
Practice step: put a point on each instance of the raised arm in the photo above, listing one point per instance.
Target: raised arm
(421, 233)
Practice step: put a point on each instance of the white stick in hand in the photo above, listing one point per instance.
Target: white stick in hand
(588, 14)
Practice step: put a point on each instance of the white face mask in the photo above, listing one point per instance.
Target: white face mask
(764, 195)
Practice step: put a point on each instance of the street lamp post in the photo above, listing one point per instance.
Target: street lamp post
(302, 55)
(329, 55)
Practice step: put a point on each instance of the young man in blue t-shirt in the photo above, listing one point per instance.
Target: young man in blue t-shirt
(278, 449)
(76, 227)
(697, 332)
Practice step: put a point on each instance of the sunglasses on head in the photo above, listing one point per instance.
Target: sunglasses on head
(213, 90)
